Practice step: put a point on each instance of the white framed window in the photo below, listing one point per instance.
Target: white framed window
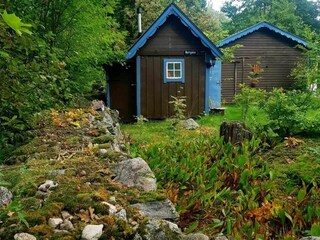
(173, 70)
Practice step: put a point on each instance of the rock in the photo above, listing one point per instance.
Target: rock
(158, 229)
(112, 199)
(58, 232)
(54, 222)
(135, 173)
(310, 238)
(221, 237)
(83, 173)
(122, 214)
(103, 151)
(92, 232)
(196, 236)
(158, 209)
(47, 185)
(98, 105)
(66, 225)
(107, 122)
(112, 208)
(24, 236)
(234, 132)
(57, 172)
(190, 124)
(5, 196)
(66, 215)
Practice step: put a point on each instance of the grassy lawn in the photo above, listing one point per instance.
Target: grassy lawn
(153, 132)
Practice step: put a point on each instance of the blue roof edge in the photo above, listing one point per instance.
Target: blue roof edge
(172, 9)
(258, 26)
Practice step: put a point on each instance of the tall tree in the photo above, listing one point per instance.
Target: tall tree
(198, 11)
(291, 15)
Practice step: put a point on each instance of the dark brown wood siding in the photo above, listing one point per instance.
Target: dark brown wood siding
(170, 41)
(122, 84)
(156, 95)
(277, 54)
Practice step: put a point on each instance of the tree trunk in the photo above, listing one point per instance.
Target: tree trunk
(234, 132)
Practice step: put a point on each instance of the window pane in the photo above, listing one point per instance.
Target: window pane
(178, 74)
(177, 66)
(170, 66)
(170, 74)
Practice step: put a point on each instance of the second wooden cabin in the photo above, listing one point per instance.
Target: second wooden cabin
(265, 47)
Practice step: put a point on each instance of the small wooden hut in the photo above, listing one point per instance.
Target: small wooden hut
(265, 48)
(172, 58)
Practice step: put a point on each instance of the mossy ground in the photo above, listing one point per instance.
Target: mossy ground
(86, 182)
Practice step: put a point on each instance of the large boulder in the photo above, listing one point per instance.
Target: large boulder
(158, 229)
(135, 173)
(158, 209)
(92, 232)
(5, 196)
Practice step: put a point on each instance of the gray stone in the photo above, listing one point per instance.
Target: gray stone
(196, 236)
(221, 237)
(122, 214)
(24, 236)
(112, 208)
(47, 185)
(92, 232)
(66, 215)
(103, 151)
(58, 232)
(158, 229)
(107, 121)
(190, 124)
(158, 209)
(66, 225)
(5, 196)
(135, 173)
(57, 172)
(54, 222)
(310, 238)
(98, 105)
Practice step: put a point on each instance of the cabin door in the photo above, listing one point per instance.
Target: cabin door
(122, 84)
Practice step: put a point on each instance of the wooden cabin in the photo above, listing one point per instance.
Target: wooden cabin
(172, 58)
(265, 47)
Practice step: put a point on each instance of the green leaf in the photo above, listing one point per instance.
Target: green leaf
(15, 23)
(4, 54)
(301, 195)
(193, 227)
(315, 230)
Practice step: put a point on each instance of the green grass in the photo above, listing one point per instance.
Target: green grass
(154, 132)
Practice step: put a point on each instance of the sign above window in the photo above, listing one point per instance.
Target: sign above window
(173, 70)
(190, 52)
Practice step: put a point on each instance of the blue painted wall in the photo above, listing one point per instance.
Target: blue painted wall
(213, 85)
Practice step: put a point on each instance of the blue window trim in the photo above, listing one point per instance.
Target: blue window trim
(178, 80)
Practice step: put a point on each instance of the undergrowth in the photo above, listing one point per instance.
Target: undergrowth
(220, 188)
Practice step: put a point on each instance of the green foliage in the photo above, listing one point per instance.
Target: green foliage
(287, 111)
(229, 189)
(291, 15)
(15, 23)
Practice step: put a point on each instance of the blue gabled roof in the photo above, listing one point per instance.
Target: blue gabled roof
(258, 26)
(172, 9)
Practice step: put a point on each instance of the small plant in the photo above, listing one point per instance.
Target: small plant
(179, 109)
(254, 74)
(141, 120)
